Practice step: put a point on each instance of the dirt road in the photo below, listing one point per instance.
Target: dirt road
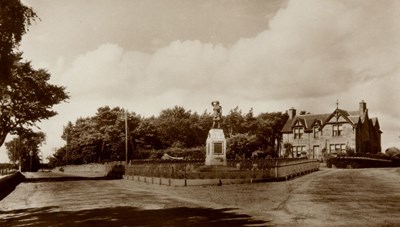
(330, 197)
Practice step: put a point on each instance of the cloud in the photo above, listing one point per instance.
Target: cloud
(313, 49)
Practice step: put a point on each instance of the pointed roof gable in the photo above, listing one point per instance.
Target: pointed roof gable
(339, 113)
(375, 122)
(299, 121)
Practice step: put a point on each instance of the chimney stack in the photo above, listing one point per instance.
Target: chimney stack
(292, 113)
(363, 107)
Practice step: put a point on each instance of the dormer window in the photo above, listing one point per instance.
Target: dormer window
(298, 132)
(316, 131)
(336, 130)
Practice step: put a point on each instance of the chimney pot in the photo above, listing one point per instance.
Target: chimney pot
(292, 113)
(363, 107)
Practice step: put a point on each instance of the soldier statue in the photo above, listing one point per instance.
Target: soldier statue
(217, 116)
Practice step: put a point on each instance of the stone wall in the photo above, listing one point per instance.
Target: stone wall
(87, 170)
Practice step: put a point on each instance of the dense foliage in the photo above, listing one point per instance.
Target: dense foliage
(26, 97)
(25, 150)
(176, 131)
(15, 19)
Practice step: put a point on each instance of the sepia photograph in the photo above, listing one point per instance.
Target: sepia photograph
(199, 113)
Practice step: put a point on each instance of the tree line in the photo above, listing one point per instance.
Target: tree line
(176, 131)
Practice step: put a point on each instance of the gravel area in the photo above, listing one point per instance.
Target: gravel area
(329, 197)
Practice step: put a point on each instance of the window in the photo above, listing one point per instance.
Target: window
(334, 148)
(297, 150)
(298, 132)
(316, 132)
(336, 130)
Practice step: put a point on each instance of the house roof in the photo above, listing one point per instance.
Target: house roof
(354, 113)
(309, 120)
(354, 119)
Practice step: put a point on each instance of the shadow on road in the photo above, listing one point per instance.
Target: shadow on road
(126, 216)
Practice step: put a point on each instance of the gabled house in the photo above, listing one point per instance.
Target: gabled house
(341, 130)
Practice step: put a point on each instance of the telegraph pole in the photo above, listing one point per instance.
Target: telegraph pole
(42, 160)
(66, 151)
(15, 153)
(30, 162)
(20, 153)
(126, 138)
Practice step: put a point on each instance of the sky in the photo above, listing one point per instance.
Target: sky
(149, 55)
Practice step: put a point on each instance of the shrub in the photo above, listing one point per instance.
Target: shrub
(328, 160)
(393, 151)
(241, 145)
(350, 151)
(288, 150)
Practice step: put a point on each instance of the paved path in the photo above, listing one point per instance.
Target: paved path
(330, 197)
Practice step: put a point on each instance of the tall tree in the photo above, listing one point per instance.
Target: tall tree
(25, 95)
(15, 18)
(269, 129)
(233, 122)
(148, 135)
(250, 123)
(174, 127)
(25, 150)
(27, 99)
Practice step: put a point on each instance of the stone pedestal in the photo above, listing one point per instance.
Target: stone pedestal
(216, 148)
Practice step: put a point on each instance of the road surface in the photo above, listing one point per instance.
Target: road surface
(329, 197)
